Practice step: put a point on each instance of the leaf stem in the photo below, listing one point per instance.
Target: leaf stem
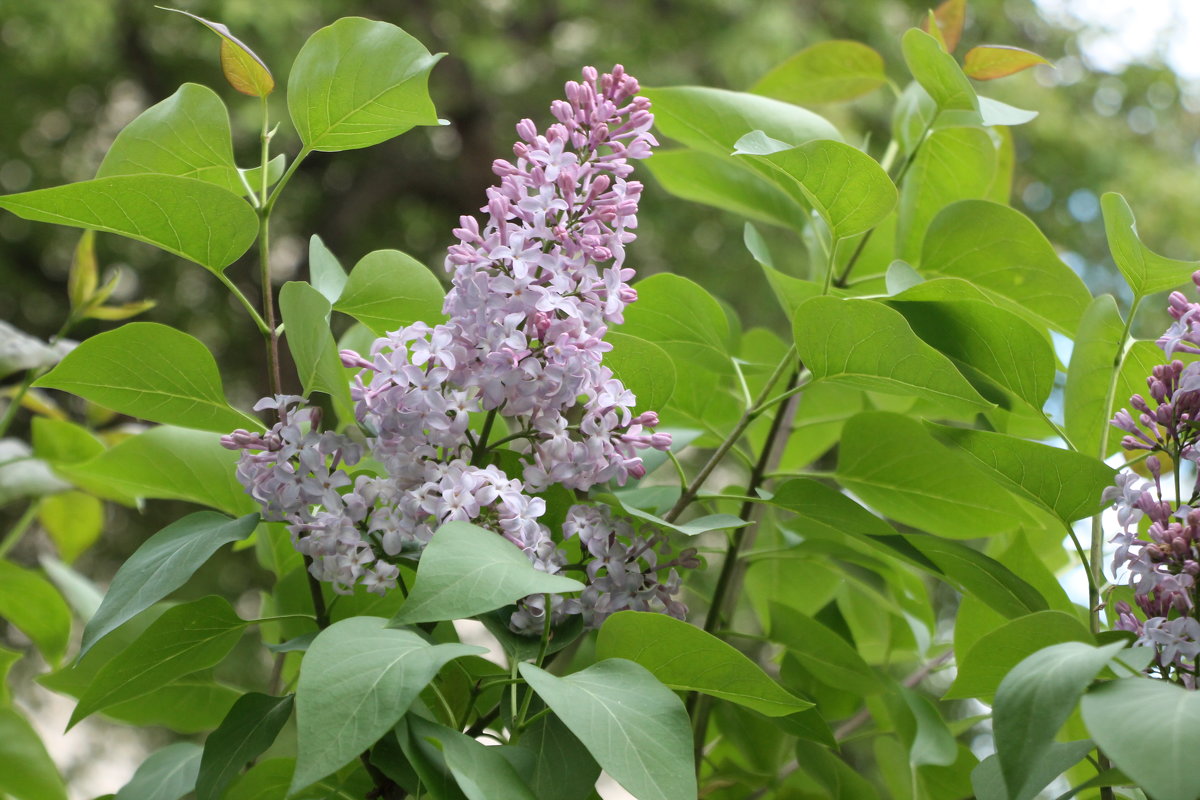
(246, 304)
(19, 527)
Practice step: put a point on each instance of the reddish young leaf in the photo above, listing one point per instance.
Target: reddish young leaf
(950, 16)
(244, 70)
(990, 61)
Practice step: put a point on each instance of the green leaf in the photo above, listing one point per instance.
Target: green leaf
(993, 112)
(169, 463)
(1146, 271)
(825, 654)
(325, 272)
(480, 771)
(683, 319)
(981, 668)
(721, 182)
(988, 782)
(865, 344)
(827, 72)
(246, 732)
(30, 603)
(306, 314)
(168, 774)
(899, 469)
(933, 743)
(356, 681)
(982, 577)
(937, 72)
(636, 728)
(28, 772)
(1148, 729)
(186, 135)
(73, 520)
(356, 83)
(846, 186)
(563, 769)
(162, 564)
(953, 164)
(62, 442)
(190, 218)
(186, 638)
(644, 368)
(689, 659)
(173, 379)
(1065, 483)
(388, 289)
(465, 570)
(189, 705)
(711, 120)
(990, 61)
(1003, 253)
(245, 71)
(983, 338)
(7, 659)
(912, 117)
(1099, 343)
(1035, 699)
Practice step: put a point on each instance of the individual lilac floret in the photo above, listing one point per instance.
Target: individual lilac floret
(1184, 334)
(1168, 424)
(534, 290)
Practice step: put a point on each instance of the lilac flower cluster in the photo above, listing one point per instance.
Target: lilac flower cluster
(534, 290)
(1162, 563)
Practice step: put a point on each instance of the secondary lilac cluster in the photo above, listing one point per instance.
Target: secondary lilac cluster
(1162, 563)
(518, 363)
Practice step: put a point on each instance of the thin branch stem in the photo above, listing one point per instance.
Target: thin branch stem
(19, 527)
(259, 322)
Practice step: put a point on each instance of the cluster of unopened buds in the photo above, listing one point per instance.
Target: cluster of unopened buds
(1162, 563)
(517, 364)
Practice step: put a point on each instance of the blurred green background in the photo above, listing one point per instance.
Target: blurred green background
(73, 72)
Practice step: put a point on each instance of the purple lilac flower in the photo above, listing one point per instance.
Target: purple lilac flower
(534, 289)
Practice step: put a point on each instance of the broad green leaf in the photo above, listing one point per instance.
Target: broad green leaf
(913, 117)
(253, 176)
(1146, 271)
(693, 527)
(1001, 252)
(188, 217)
(480, 771)
(356, 83)
(168, 774)
(325, 272)
(711, 120)
(845, 186)
(357, 679)
(420, 766)
(865, 344)
(933, 743)
(83, 276)
(28, 773)
(563, 769)
(635, 728)
(1087, 399)
(306, 314)
(993, 112)
(950, 16)
(900, 277)
(892, 463)
(186, 638)
(644, 368)
(245, 71)
(689, 659)
(162, 564)
(1148, 729)
(719, 181)
(683, 319)
(988, 781)
(388, 289)
(1065, 483)
(73, 520)
(62, 442)
(990, 61)
(173, 379)
(186, 135)
(30, 603)
(834, 777)
(953, 164)
(981, 668)
(193, 704)
(979, 576)
(246, 732)
(826, 655)
(937, 72)
(827, 72)
(983, 338)
(519, 647)
(7, 659)
(465, 570)
(169, 463)
(1035, 699)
